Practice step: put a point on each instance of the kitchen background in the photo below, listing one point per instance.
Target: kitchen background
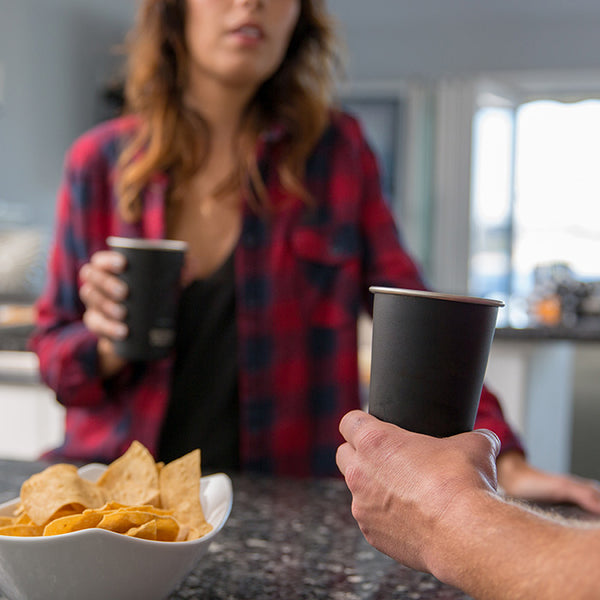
(427, 78)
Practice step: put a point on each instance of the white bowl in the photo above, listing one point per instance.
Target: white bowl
(96, 564)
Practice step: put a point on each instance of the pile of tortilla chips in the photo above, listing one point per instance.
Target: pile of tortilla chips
(135, 496)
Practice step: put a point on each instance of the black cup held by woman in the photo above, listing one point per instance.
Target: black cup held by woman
(153, 275)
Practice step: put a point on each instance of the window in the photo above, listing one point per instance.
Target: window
(491, 203)
(536, 208)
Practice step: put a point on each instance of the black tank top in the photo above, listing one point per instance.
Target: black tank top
(203, 410)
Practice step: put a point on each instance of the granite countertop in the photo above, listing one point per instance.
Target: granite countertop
(286, 540)
(570, 334)
(290, 539)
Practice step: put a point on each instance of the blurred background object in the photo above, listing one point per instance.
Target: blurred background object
(560, 298)
(21, 264)
(22, 269)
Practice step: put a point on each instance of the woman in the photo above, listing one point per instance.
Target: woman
(230, 145)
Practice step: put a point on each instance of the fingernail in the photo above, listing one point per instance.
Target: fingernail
(119, 290)
(120, 331)
(119, 311)
(118, 261)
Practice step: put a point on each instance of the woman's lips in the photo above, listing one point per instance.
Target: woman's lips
(248, 33)
(250, 30)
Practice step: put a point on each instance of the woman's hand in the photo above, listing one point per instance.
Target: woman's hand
(520, 480)
(102, 293)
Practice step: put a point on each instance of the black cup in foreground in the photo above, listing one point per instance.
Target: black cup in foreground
(153, 274)
(429, 357)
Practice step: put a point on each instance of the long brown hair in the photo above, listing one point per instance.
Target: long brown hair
(174, 138)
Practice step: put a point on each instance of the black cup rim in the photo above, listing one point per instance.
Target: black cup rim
(147, 244)
(375, 289)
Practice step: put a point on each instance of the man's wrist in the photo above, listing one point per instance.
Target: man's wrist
(456, 533)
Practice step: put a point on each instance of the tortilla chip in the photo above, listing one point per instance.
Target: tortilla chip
(132, 479)
(114, 506)
(22, 530)
(65, 511)
(147, 531)
(56, 487)
(23, 519)
(122, 520)
(180, 492)
(86, 520)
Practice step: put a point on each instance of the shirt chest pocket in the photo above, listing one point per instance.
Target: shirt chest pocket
(328, 265)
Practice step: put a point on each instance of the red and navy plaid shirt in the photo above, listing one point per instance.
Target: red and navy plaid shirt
(302, 275)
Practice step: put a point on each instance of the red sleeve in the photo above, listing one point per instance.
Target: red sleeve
(66, 349)
(490, 416)
(386, 262)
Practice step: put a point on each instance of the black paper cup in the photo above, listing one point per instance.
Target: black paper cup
(153, 275)
(429, 357)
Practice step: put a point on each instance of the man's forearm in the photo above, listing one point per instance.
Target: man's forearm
(494, 549)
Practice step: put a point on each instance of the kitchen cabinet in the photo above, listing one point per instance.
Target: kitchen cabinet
(534, 380)
(533, 371)
(31, 420)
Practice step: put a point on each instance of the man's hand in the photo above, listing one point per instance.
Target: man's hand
(403, 484)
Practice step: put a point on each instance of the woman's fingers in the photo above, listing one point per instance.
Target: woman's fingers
(102, 293)
(97, 323)
(109, 260)
(95, 299)
(101, 273)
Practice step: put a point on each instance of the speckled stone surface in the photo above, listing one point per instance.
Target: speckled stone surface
(287, 540)
(297, 539)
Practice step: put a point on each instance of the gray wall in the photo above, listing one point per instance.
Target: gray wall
(55, 55)
(429, 38)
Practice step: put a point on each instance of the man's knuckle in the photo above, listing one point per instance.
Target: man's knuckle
(355, 478)
(371, 439)
(357, 511)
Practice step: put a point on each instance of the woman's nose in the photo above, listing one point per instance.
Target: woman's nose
(251, 3)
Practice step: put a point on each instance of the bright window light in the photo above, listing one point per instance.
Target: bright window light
(535, 199)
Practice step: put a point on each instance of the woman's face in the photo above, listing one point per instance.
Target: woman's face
(238, 43)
